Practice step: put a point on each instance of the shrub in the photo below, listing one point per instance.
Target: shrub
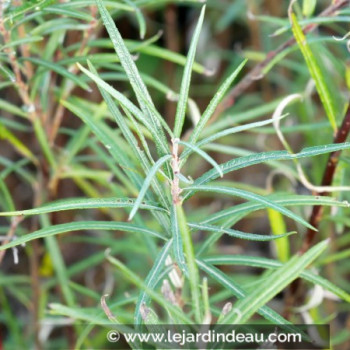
(157, 190)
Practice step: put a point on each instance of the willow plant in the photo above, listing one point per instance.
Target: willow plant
(148, 168)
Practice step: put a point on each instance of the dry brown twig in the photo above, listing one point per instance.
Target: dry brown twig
(175, 165)
(16, 220)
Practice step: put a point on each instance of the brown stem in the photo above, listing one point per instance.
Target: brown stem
(20, 84)
(175, 165)
(14, 223)
(294, 291)
(256, 72)
(327, 180)
(22, 87)
(87, 35)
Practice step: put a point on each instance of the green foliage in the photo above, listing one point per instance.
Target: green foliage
(122, 160)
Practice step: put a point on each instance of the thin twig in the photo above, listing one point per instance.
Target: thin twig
(256, 72)
(58, 116)
(175, 165)
(107, 310)
(9, 236)
(20, 84)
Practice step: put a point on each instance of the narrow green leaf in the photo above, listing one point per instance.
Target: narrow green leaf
(186, 78)
(80, 313)
(137, 281)
(139, 17)
(177, 241)
(344, 254)
(7, 201)
(242, 162)
(25, 40)
(278, 225)
(315, 72)
(240, 293)
(127, 104)
(103, 134)
(133, 74)
(162, 53)
(60, 70)
(274, 264)
(243, 116)
(273, 284)
(81, 225)
(129, 136)
(238, 234)
(204, 155)
(44, 143)
(147, 182)
(309, 7)
(9, 107)
(191, 262)
(152, 280)
(61, 11)
(83, 203)
(60, 269)
(27, 6)
(110, 3)
(226, 132)
(251, 197)
(236, 129)
(282, 199)
(214, 103)
(6, 134)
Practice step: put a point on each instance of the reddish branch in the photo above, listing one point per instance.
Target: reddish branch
(327, 180)
(256, 73)
(294, 292)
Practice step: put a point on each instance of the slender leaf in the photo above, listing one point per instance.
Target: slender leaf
(273, 284)
(315, 72)
(282, 199)
(242, 162)
(191, 263)
(133, 74)
(177, 241)
(252, 197)
(186, 78)
(238, 234)
(214, 103)
(25, 40)
(152, 280)
(16, 143)
(147, 183)
(132, 140)
(83, 203)
(78, 226)
(277, 227)
(240, 293)
(274, 264)
(125, 102)
(204, 155)
(60, 70)
(103, 134)
(132, 277)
